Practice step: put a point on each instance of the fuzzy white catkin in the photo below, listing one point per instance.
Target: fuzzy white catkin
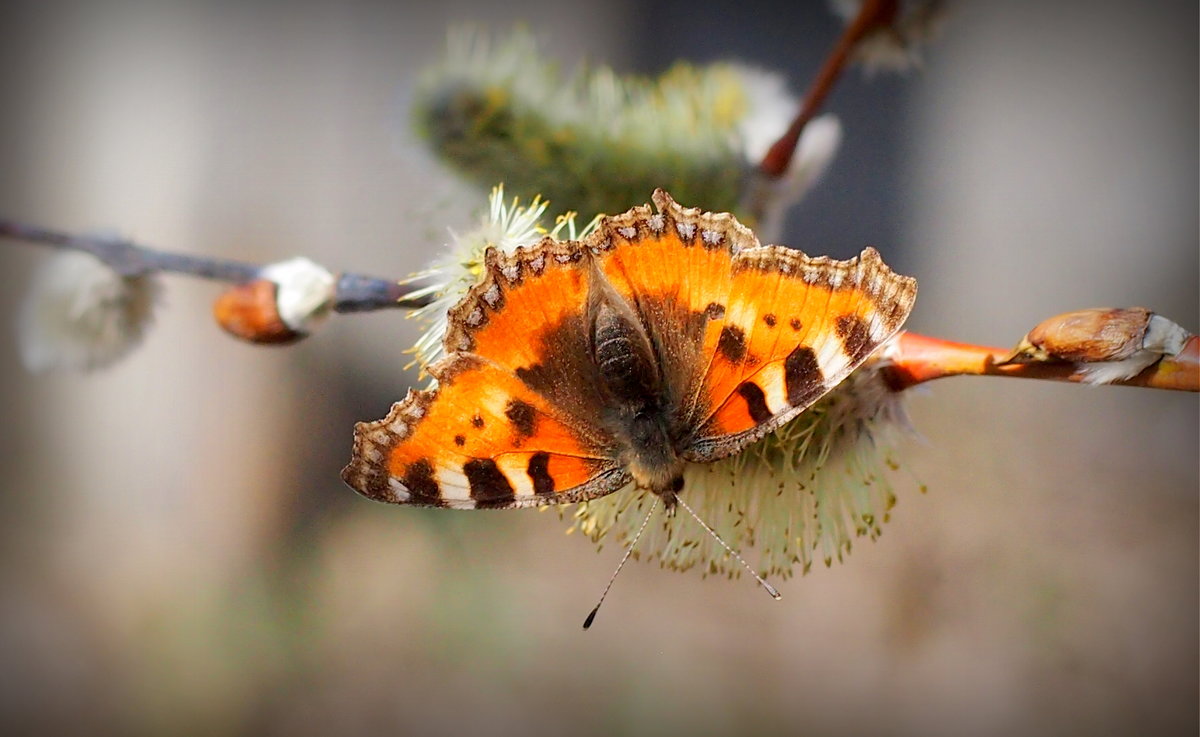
(1162, 338)
(803, 494)
(81, 315)
(306, 292)
(506, 225)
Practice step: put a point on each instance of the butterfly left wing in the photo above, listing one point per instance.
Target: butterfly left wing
(794, 327)
(748, 335)
(480, 440)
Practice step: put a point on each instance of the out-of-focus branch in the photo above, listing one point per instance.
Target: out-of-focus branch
(352, 292)
(130, 259)
(872, 15)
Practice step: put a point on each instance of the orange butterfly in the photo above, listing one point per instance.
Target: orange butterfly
(576, 367)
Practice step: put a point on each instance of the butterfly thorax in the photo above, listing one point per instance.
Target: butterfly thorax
(631, 379)
(651, 457)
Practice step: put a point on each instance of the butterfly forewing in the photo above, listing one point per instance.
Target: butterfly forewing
(795, 328)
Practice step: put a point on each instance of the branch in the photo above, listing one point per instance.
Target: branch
(919, 358)
(352, 292)
(872, 15)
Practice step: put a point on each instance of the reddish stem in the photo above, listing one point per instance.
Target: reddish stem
(919, 358)
(872, 15)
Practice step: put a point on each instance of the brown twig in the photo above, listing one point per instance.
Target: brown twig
(872, 15)
(355, 292)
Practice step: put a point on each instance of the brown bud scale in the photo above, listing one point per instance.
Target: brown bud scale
(249, 311)
(1086, 336)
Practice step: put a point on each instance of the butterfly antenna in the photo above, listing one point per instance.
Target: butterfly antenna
(770, 589)
(628, 551)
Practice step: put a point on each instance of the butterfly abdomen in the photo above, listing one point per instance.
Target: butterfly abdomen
(632, 381)
(628, 374)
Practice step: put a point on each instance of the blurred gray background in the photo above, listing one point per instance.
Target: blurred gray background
(179, 555)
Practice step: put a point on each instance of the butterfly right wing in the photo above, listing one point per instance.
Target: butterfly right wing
(513, 420)
(480, 440)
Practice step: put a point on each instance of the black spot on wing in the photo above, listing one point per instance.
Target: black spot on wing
(756, 401)
(460, 441)
(418, 479)
(732, 343)
(855, 335)
(489, 486)
(714, 310)
(770, 320)
(476, 421)
(522, 416)
(802, 377)
(539, 474)
(795, 324)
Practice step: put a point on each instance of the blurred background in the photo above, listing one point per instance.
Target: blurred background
(180, 556)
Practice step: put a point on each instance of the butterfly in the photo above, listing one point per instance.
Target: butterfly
(668, 336)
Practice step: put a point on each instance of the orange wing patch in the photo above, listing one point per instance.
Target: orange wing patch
(674, 267)
(480, 440)
(678, 253)
(749, 335)
(518, 292)
(795, 328)
(527, 316)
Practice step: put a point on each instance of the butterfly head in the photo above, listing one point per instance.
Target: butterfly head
(651, 456)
